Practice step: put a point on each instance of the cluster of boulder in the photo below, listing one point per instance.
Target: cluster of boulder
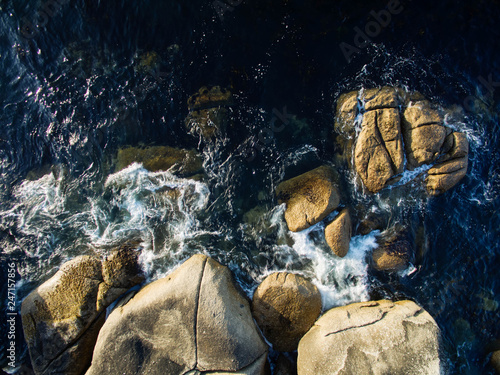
(385, 131)
(196, 320)
(309, 199)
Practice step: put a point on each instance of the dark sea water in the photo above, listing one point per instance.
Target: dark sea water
(73, 90)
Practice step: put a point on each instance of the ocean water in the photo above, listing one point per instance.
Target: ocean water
(75, 86)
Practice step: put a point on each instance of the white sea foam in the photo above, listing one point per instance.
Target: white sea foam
(340, 280)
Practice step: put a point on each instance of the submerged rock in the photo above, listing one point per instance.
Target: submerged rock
(395, 250)
(338, 233)
(373, 125)
(285, 306)
(378, 337)
(208, 111)
(192, 321)
(309, 198)
(160, 158)
(62, 317)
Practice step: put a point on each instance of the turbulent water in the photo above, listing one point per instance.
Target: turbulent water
(78, 87)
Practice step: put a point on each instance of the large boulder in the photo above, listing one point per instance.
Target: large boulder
(208, 111)
(309, 198)
(378, 337)
(194, 320)
(160, 158)
(62, 317)
(373, 125)
(285, 306)
(338, 233)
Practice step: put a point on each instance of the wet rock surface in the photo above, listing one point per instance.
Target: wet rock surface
(160, 158)
(62, 317)
(285, 306)
(338, 233)
(208, 111)
(309, 197)
(385, 131)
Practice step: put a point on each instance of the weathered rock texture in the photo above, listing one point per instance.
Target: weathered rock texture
(208, 111)
(62, 317)
(309, 198)
(285, 306)
(378, 337)
(192, 321)
(384, 127)
(395, 250)
(338, 233)
(160, 158)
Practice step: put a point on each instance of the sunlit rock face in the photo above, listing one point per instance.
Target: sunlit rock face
(377, 337)
(385, 131)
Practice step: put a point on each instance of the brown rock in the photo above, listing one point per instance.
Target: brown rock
(372, 161)
(208, 114)
(309, 198)
(444, 176)
(62, 317)
(423, 144)
(338, 233)
(285, 306)
(421, 113)
(210, 97)
(453, 166)
(394, 252)
(346, 113)
(382, 97)
(120, 271)
(423, 134)
(160, 158)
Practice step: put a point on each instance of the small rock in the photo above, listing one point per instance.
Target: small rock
(452, 167)
(394, 252)
(309, 198)
(285, 306)
(338, 233)
(208, 113)
(378, 337)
